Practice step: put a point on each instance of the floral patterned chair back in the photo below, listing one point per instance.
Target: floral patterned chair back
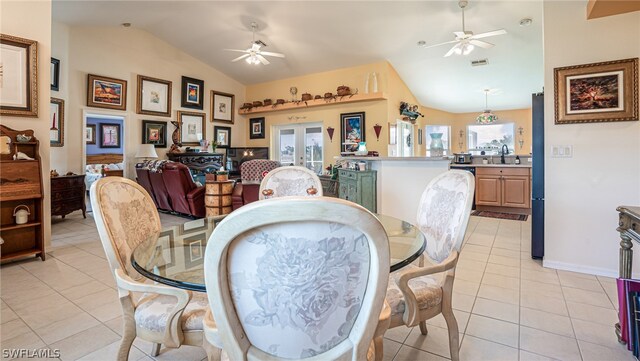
(125, 216)
(443, 212)
(286, 284)
(290, 181)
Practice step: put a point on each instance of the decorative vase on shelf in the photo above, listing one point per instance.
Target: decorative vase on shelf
(366, 84)
(436, 147)
(362, 149)
(375, 83)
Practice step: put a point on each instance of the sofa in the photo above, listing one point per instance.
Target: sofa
(251, 174)
(171, 187)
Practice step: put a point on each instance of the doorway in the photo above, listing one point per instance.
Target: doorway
(404, 139)
(299, 144)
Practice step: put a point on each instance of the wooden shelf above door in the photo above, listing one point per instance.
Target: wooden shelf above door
(314, 103)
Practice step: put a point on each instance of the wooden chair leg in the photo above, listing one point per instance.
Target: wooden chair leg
(378, 348)
(423, 328)
(155, 349)
(452, 326)
(129, 330)
(213, 353)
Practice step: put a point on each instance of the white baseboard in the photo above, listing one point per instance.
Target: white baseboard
(606, 272)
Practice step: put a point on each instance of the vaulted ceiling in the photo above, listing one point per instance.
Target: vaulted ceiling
(324, 35)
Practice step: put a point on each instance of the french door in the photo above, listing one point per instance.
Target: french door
(299, 144)
(404, 142)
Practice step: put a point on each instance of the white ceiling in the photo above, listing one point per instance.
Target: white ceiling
(324, 35)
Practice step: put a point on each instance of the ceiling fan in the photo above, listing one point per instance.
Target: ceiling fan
(253, 54)
(465, 40)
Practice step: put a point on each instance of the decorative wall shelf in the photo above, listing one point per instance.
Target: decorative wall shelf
(314, 103)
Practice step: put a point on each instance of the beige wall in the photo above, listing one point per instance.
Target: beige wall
(60, 50)
(582, 192)
(32, 20)
(123, 53)
(376, 111)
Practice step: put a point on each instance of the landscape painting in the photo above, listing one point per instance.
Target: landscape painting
(106, 92)
(594, 93)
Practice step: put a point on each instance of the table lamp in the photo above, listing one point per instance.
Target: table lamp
(146, 152)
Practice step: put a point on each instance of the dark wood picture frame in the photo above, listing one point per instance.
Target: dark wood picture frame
(147, 98)
(92, 138)
(29, 85)
(597, 92)
(105, 92)
(55, 74)
(203, 127)
(56, 118)
(217, 131)
(256, 128)
(102, 135)
(192, 93)
(350, 123)
(148, 134)
(222, 107)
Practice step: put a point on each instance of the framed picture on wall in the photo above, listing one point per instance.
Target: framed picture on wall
(104, 92)
(154, 96)
(222, 107)
(55, 74)
(192, 127)
(598, 92)
(222, 135)
(109, 135)
(20, 77)
(154, 132)
(351, 130)
(90, 134)
(56, 119)
(192, 93)
(256, 128)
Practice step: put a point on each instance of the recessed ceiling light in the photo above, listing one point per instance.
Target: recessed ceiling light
(526, 22)
(422, 43)
(126, 25)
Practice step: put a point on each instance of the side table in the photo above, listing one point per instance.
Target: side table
(217, 197)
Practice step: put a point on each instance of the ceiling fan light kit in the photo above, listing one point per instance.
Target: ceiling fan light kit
(465, 41)
(253, 55)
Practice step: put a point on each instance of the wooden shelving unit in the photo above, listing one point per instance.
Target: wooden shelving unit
(315, 103)
(20, 184)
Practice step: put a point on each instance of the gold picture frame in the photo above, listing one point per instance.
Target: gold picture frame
(597, 92)
(56, 119)
(105, 92)
(154, 96)
(20, 96)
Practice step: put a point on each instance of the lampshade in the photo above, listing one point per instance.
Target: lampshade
(146, 151)
(486, 117)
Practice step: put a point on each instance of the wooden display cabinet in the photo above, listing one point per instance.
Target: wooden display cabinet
(20, 184)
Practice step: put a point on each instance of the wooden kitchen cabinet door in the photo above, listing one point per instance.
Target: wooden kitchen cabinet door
(515, 192)
(488, 190)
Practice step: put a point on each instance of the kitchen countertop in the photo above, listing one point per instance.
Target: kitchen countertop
(430, 159)
(509, 165)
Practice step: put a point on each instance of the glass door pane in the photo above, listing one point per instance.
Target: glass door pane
(313, 148)
(287, 146)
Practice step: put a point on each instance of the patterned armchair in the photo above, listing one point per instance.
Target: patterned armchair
(418, 293)
(290, 181)
(251, 174)
(286, 284)
(125, 216)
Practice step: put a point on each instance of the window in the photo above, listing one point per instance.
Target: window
(490, 137)
(445, 130)
(299, 144)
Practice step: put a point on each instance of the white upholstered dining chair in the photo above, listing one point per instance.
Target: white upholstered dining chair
(125, 216)
(290, 284)
(290, 181)
(418, 293)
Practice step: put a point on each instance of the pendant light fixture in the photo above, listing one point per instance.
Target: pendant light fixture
(486, 117)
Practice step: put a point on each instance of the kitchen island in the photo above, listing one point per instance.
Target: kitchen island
(401, 181)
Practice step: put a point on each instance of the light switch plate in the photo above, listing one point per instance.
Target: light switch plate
(561, 151)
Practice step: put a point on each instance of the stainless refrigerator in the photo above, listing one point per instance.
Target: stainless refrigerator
(537, 169)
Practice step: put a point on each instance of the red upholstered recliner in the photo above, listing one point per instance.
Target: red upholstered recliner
(172, 187)
(186, 197)
(251, 174)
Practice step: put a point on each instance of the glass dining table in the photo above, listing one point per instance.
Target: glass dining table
(175, 256)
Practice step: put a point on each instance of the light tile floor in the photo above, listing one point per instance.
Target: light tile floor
(507, 305)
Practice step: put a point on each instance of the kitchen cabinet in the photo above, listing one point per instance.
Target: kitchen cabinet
(503, 187)
(359, 187)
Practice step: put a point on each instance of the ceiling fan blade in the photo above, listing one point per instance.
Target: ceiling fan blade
(489, 33)
(240, 57)
(448, 42)
(262, 59)
(452, 50)
(480, 43)
(237, 50)
(268, 53)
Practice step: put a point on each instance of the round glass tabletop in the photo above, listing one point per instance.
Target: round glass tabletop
(175, 256)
